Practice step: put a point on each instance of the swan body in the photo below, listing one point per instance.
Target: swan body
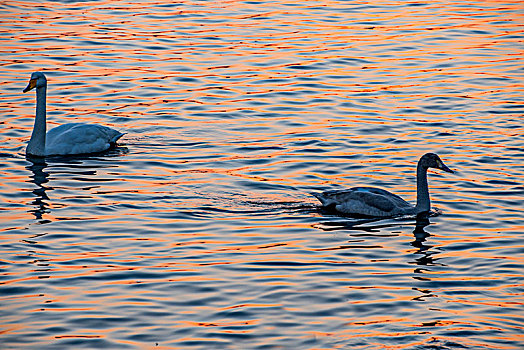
(376, 202)
(66, 139)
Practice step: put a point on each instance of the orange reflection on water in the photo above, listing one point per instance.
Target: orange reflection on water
(232, 108)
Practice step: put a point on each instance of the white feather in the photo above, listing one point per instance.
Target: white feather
(77, 138)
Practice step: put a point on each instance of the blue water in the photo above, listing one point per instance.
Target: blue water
(199, 230)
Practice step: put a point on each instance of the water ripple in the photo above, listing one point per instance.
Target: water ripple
(199, 231)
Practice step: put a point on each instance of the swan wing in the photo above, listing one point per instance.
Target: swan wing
(77, 138)
(370, 201)
(379, 192)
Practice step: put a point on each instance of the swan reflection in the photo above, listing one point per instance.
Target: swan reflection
(420, 234)
(424, 252)
(66, 173)
(39, 177)
(376, 225)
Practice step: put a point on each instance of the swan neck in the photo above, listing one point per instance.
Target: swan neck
(423, 201)
(36, 144)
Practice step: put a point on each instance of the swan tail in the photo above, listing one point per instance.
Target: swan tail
(322, 198)
(115, 138)
(328, 204)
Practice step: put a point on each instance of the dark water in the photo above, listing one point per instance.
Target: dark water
(199, 231)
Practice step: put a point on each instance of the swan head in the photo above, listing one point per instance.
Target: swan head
(431, 160)
(37, 80)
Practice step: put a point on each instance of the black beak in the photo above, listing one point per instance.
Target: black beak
(30, 86)
(445, 168)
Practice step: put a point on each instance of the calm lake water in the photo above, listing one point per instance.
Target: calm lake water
(199, 231)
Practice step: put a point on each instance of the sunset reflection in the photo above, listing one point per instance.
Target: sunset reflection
(199, 230)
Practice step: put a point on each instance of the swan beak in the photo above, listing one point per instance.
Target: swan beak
(445, 168)
(31, 85)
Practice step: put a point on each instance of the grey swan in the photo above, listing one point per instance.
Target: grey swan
(66, 139)
(376, 202)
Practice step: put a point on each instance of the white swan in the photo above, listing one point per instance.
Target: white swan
(372, 201)
(72, 138)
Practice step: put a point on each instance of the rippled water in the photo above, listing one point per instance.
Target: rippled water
(199, 230)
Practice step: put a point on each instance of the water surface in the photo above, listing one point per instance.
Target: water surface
(199, 231)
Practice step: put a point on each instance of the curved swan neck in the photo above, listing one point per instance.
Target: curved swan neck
(423, 201)
(36, 144)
